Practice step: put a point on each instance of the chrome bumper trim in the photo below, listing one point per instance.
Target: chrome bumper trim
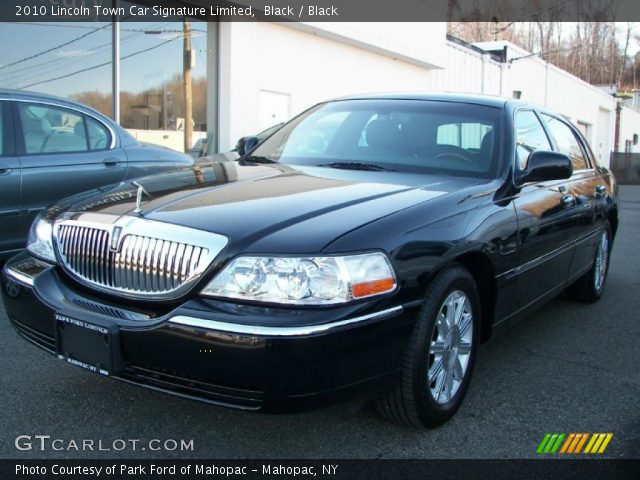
(266, 331)
(23, 276)
(19, 277)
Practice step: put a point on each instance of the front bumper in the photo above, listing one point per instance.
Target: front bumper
(248, 357)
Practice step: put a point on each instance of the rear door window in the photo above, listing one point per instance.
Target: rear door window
(52, 129)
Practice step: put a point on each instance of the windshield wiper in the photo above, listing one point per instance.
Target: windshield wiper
(357, 166)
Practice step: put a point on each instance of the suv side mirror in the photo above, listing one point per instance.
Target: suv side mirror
(545, 165)
(246, 144)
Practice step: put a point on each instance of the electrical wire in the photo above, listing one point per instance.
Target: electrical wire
(38, 54)
(15, 76)
(134, 30)
(57, 63)
(97, 66)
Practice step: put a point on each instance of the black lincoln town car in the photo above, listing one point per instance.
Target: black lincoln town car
(364, 249)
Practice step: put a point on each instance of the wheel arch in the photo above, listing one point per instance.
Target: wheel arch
(481, 269)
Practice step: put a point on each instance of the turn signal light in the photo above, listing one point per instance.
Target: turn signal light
(366, 289)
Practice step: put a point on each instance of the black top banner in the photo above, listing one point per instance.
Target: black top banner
(321, 10)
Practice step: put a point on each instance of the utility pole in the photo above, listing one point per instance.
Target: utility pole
(115, 64)
(186, 83)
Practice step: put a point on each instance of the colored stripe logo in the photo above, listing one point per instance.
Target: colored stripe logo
(574, 443)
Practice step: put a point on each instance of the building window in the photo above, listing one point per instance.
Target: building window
(152, 104)
(74, 60)
(71, 60)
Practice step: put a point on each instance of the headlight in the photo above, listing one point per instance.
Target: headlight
(304, 280)
(40, 240)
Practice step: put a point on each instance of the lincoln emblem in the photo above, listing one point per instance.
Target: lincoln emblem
(115, 238)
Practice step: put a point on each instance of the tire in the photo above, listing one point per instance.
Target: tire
(415, 401)
(589, 287)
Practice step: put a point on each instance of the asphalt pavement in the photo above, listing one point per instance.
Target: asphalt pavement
(569, 367)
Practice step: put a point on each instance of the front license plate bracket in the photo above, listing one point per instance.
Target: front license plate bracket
(87, 345)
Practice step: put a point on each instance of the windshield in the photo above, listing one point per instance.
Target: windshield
(399, 135)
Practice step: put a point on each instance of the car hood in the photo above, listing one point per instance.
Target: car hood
(271, 207)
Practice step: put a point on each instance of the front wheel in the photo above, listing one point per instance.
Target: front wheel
(439, 359)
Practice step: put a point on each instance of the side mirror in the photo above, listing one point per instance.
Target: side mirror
(246, 144)
(202, 151)
(545, 165)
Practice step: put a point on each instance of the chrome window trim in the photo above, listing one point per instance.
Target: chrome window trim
(268, 331)
(212, 243)
(53, 103)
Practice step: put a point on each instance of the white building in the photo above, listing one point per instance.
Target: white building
(629, 130)
(249, 76)
(268, 72)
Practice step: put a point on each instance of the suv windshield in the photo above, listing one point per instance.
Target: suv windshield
(400, 135)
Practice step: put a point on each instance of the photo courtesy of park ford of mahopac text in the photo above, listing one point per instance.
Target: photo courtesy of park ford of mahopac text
(319, 238)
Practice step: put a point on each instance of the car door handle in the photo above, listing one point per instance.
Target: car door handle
(568, 200)
(4, 171)
(600, 190)
(111, 162)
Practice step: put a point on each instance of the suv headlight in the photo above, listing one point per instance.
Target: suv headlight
(40, 240)
(321, 280)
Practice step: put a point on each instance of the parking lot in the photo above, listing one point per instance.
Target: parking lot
(568, 368)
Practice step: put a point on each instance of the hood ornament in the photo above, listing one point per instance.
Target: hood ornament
(139, 194)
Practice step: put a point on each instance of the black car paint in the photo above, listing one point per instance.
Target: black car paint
(519, 242)
(36, 181)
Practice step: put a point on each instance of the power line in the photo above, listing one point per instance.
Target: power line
(97, 66)
(15, 76)
(35, 55)
(544, 52)
(531, 16)
(60, 62)
(135, 30)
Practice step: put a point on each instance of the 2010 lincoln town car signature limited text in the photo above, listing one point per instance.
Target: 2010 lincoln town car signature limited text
(365, 249)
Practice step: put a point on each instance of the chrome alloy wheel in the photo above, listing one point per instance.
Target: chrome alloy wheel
(450, 347)
(602, 259)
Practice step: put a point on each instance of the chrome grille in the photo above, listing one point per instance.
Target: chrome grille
(140, 265)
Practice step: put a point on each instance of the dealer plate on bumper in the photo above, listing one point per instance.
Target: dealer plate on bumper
(87, 345)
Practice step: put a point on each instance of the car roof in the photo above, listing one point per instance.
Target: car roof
(28, 95)
(487, 100)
